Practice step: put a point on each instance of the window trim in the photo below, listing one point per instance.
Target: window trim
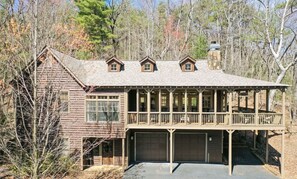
(96, 100)
(111, 67)
(150, 65)
(68, 101)
(190, 65)
(66, 153)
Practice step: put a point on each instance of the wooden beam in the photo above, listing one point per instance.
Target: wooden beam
(230, 151)
(247, 100)
(171, 105)
(267, 100)
(148, 107)
(186, 105)
(230, 107)
(267, 147)
(283, 155)
(284, 107)
(123, 152)
(171, 148)
(137, 106)
(257, 108)
(215, 106)
(160, 105)
(200, 107)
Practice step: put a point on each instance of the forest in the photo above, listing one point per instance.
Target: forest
(257, 37)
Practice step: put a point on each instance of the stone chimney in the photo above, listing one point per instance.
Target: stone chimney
(214, 56)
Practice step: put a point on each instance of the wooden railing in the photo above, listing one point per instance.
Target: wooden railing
(205, 118)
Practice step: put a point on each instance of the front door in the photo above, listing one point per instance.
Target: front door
(107, 153)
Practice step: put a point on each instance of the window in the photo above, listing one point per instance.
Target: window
(147, 67)
(113, 67)
(164, 101)
(102, 108)
(188, 67)
(64, 101)
(65, 145)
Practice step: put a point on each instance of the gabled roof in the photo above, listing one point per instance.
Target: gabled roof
(187, 58)
(115, 59)
(147, 58)
(167, 75)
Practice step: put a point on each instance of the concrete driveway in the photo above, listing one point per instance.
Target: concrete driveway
(245, 166)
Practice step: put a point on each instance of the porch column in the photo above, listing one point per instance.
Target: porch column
(254, 138)
(226, 99)
(148, 107)
(186, 105)
(171, 148)
(215, 106)
(82, 154)
(200, 107)
(284, 107)
(247, 100)
(160, 105)
(126, 106)
(128, 147)
(238, 101)
(267, 100)
(267, 145)
(257, 107)
(123, 152)
(230, 107)
(283, 155)
(171, 105)
(137, 106)
(230, 151)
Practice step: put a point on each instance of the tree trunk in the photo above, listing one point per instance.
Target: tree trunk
(272, 92)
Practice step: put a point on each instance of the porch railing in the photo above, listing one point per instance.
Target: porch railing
(204, 118)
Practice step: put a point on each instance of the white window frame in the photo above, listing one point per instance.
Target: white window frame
(113, 65)
(97, 99)
(147, 65)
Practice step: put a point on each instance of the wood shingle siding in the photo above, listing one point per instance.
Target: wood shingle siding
(74, 125)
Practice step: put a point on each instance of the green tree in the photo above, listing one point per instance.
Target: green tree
(200, 49)
(93, 15)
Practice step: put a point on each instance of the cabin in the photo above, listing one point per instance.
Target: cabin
(150, 110)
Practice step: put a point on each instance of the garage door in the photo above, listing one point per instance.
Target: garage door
(151, 146)
(189, 147)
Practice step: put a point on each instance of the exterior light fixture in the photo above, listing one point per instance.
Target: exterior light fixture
(209, 138)
(131, 137)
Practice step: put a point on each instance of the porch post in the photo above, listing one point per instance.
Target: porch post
(171, 105)
(200, 107)
(230, 151)
(186, 105)
(128, 147)
(284, 107)
(148, 107)
(215, 106)
(267, 145)
(160, 105)
(137, 106)
(238, 100)
(123, 152)
(126, 106)
(254, 139)
(257, 107)
(82, 154)
(267, 100)
(247, 100)
(283, 155)
(171, 148)
(230, 107)
(226, 99)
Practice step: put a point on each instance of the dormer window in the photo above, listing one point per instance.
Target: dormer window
(188, 67)
(187, 64)
(147, 67)
(114, 64)
(147, 64)
(113, 67)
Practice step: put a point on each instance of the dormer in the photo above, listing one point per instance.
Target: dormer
(147, 64)
(114, 64)
(187, 64)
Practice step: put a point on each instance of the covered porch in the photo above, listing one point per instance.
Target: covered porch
(200, 107)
